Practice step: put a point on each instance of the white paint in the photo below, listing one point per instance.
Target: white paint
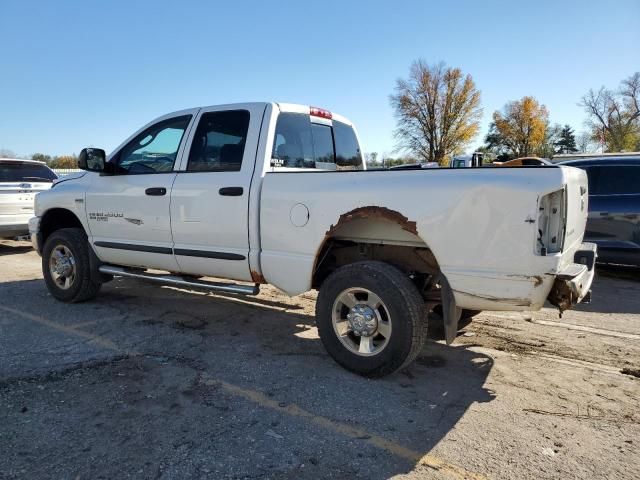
(473, 220)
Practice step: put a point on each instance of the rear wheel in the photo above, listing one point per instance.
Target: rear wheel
(371, 318)
(66, 266)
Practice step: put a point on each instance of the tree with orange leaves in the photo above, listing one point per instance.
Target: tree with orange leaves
(521, 127)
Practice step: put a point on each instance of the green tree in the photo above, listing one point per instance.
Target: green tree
(437, 110)
(41, 157)
(614, 116)
(64, 161)
(547, 148)
(566, 142)
(497, 145)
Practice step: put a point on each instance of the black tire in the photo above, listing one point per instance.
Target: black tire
(402, 300)
(85, 283)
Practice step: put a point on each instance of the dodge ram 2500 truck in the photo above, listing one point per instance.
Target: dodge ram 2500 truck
(278, 193)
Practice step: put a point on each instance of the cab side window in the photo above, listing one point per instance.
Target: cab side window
(218, 144)
(155, 149)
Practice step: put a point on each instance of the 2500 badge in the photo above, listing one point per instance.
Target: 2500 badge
(104, 217)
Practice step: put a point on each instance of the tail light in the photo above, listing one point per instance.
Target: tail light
(319, 112)
(552, 222)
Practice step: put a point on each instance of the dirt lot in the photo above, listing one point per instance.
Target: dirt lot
(149, 382)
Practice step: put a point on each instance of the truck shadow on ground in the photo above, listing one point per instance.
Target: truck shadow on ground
(213, 376)
(13, 248)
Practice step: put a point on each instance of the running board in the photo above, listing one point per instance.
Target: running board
(179, 281)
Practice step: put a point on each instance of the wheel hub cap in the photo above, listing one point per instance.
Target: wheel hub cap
(63, 266)
(362, 320)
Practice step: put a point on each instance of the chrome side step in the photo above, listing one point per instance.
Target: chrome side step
(179, 281)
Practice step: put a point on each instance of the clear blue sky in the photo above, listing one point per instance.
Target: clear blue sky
(77, 73)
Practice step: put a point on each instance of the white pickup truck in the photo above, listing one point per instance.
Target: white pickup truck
(278, 193)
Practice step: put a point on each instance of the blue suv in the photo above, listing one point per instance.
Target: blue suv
(614, 207)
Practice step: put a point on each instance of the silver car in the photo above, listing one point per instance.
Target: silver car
(20, 180)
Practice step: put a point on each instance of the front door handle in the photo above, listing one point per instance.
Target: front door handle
(156, 191)
(231, 191)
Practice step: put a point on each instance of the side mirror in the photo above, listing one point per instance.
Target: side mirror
(92, 159)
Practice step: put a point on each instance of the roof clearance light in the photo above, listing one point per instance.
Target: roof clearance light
(319, 112)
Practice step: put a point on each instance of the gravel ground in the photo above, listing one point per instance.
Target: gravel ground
(158, 382)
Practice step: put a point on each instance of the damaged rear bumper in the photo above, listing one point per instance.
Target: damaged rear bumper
(573, 283)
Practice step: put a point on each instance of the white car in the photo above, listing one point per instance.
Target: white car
(20, 180)
(278, 193)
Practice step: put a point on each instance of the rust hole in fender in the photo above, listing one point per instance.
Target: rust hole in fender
(375, 212)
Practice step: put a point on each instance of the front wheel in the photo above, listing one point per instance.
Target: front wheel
(371, 318)
(66, 266)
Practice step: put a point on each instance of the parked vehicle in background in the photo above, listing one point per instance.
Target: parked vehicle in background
(276, 193)
(476, 159)
(415, 166)
(523, 162)
(20, 180)
(565, 157)
(614, 207)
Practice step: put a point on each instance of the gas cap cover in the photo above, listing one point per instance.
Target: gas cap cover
(299, 215)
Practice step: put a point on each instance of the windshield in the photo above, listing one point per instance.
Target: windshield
(25, 172)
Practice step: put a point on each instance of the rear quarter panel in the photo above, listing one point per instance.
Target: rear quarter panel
(474, 221)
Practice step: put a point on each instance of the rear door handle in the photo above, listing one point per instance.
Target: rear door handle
(156, 191)
(231, 191)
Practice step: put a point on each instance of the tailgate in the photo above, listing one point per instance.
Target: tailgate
(18, 198)
(577, 207)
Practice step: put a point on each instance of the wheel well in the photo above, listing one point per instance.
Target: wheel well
(335, 253)
(395, 241)
(55, 219)
(375, 233)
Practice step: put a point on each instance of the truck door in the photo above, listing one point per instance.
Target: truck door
(128, 209)
(210, 196)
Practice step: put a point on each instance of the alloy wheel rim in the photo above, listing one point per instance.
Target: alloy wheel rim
(361, 321)
(62, 267)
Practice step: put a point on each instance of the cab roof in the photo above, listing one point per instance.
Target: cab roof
(282, 106)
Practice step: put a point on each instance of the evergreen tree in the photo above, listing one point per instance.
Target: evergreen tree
(567, 141)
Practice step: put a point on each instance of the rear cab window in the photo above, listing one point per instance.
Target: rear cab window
(303, 142)
(25, 172)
